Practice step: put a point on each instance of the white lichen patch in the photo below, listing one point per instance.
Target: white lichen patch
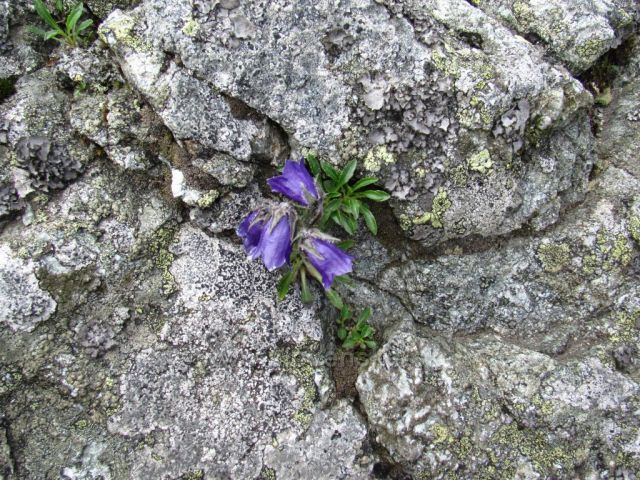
(23, 304)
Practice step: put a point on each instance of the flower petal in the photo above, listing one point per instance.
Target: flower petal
(250, 231)
(329, 260)
(295, 182)
(275, 244)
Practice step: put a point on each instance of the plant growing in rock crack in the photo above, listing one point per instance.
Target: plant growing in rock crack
(67, 31)
(293, 234)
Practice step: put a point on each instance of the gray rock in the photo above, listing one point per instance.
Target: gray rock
(483, 407)
(332, 447)
(577, 33)
(470, 136)
(227, 346)
(23, 304)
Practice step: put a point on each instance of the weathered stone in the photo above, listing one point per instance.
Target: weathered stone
(23, 304)
(482, 407)
(576, 32)
(332, 447)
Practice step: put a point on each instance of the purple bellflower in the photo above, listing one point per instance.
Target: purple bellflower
(267, 232)
(328, 259)
(295, 183)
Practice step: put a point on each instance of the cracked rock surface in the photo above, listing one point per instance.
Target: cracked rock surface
(137, 340)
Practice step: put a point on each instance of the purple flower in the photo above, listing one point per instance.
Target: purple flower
(327, 258)
(266, 233)
(295, 183)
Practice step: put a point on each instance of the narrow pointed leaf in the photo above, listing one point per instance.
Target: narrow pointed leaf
(347, 173)
(85, 24)
(73, 17)
(375, 195)
(43, 12)
(363, 182)
(364, 316)
(369, 219)
(331, 172)
(284, 284)
(345, 244)
(305, 293)
(314, 165)
(334, 298)
(38, 31)
(51, 34)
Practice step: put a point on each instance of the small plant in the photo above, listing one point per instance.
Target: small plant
(69, 31)
(295, 234)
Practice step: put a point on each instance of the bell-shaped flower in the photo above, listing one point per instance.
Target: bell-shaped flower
(327, 258)
(267, 233)
(295, 183)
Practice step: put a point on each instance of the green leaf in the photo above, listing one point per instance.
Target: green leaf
(352, 206)
(349, 343)
(60, 6)
(331, 172)
(345, 245)
(334, 298)
(38, 31)
(305, 293)
(371, 344)
(342, 333)
(347, 223)
(343, 279)
(375, 195)
(369, 219)
(363, 182)
(284, 284)
(347, 173)
(345, 314)
(364, 316)
(43, 12)
(73, 17)
(84, 25)
(312, 271)
(329, 186)
(51, 34)
(314, 165)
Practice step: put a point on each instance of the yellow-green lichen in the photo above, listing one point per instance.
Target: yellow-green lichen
(459, 176)
(405, 222)
(267, 473)
(554, 256)
(163, 258)
(441, 434)
(294, 363)
(122, 29)
(480, 162)
(625, 327)
(206, 200)
(191, 27)
(592, 48)
(533, 445)
(622, 252)
(377, 157)
(446, 64)
(589, 263)
(193, 475)
(439, 206)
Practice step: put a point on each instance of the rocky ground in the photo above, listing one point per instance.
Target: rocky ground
(138, 341)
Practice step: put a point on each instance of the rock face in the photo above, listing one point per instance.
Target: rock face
(138, 341)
